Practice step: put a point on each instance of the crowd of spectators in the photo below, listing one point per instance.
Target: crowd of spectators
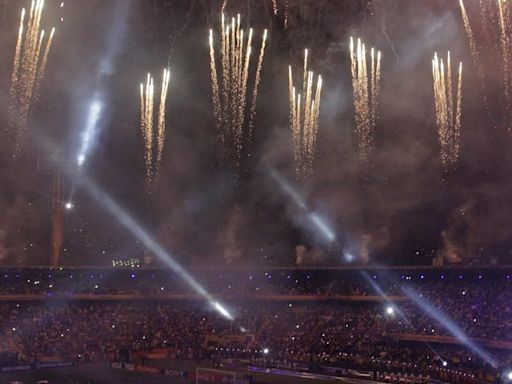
(342, 335)
(350, 331)
(243, 282)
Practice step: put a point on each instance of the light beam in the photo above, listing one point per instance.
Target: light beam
(318, 223)
(90, 132)
(446, 322)
(104, 200)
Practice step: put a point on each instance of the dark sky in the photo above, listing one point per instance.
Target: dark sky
(407, 210)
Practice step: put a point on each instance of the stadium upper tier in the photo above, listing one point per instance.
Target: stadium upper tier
(332, 283)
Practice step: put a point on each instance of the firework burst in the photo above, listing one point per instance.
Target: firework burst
(495, 21)
(229, 94)
(303, 116)
(366, 89)
(153, 141)
(29, 67)
(448, 110)
(504, 10)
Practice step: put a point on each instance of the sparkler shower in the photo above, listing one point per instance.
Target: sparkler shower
(149, 135)
(495, 20)
(304, 113)
(29, 66)
(366, 89)
(505, 9)
(229, 95)
(448, 110)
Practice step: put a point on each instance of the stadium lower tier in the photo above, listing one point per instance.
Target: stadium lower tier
(373, 336)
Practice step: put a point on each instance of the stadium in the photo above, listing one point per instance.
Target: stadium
(255, 192)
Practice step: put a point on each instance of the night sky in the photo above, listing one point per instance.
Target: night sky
(204, 211)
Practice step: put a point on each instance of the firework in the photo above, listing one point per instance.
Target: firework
(42, 68)
(161, 117)
(304, 112)
(504, 23)
(229, 95)
(286, 15)
(495, 20)
(224, 4)
(215, 89)
(474, 52)
(448, 111)
(489, 17)
(366, 90)
(147, 124)
(17, 55)
(257, 83)
(28, 68)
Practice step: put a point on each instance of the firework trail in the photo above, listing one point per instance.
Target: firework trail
(448, 111)
(257, 83)
(286, 15)
(215, 90)
(488, 16)
(366, 90)
(504, 22)
(147, 124)
(274, 6)
(28, 69)
(17, 55)
(229, 94)
(42, 68)
(161, 118)
(304, 113)
(223, 7)
(458, 114)
(473, 48)
(375, 84)
(495, 21)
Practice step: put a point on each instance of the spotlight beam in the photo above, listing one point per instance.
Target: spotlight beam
(322, 226)
(447, 323)
(95, 121)
(314, 218)
(91, 129)
(104, 200)
(288, 189)
(395, 308)
(382, 294)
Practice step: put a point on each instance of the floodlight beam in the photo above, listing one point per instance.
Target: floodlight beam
(128, 222)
